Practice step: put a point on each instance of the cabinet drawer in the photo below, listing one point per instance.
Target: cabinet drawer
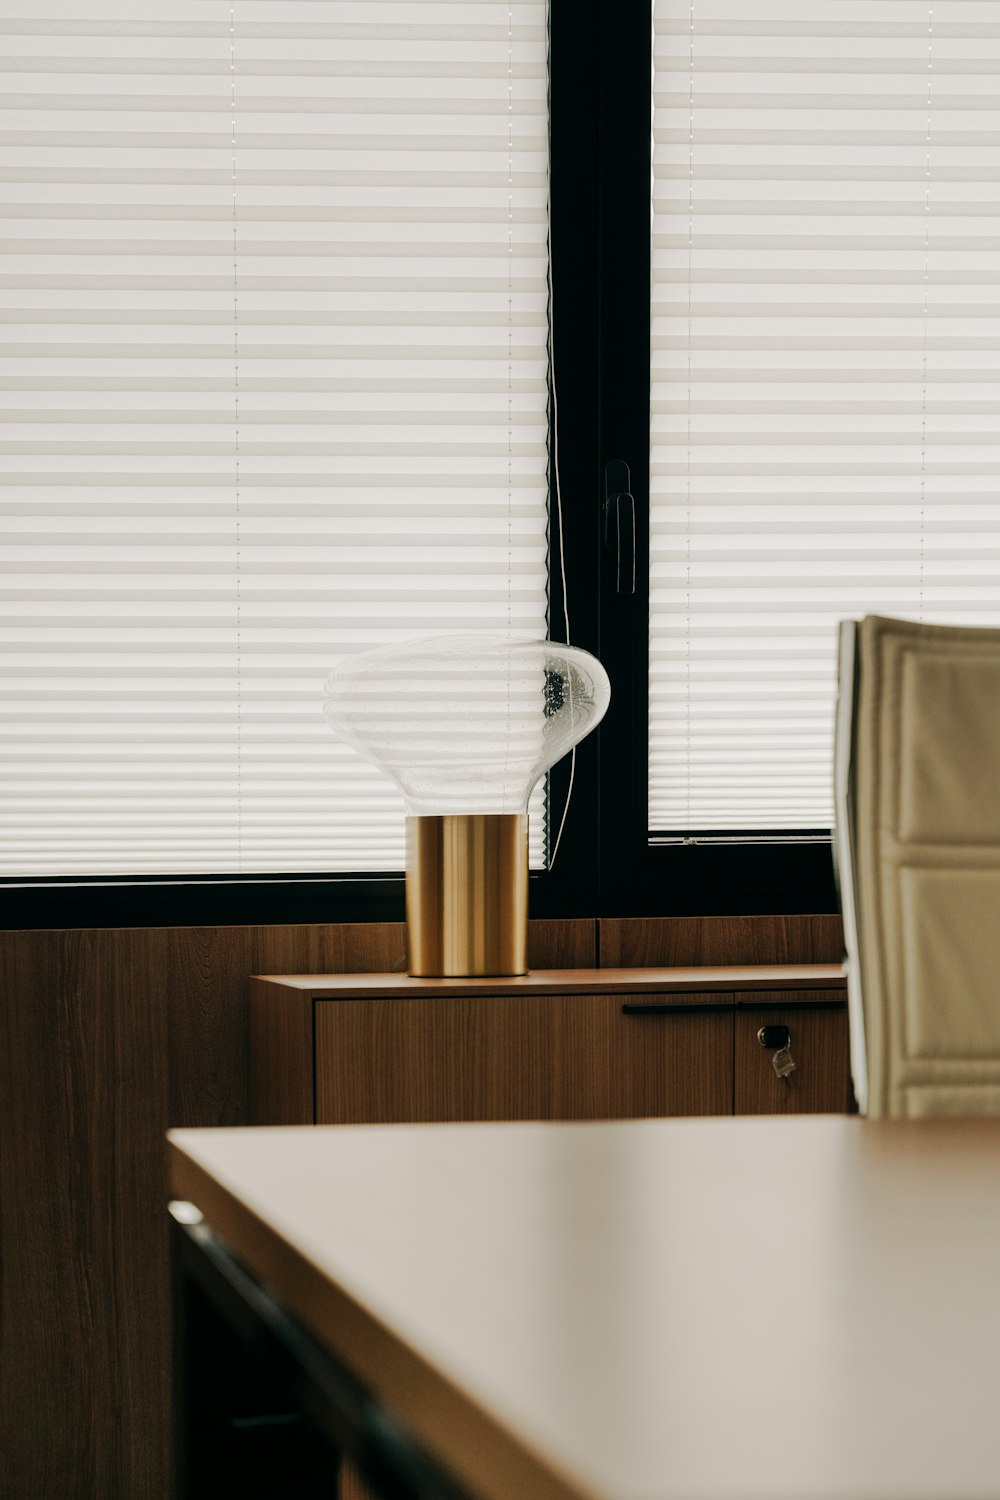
(819, 1046)
(518, 1057)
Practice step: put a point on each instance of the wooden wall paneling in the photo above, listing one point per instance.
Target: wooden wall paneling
(139, 1325)
(565, 944)
(821, 1083)
(380, 947)
(666, 942)
(45, 1306)
(200, 985)
(328, 948)
(83, 1397)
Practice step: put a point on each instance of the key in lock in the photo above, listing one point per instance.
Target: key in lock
(780, 1038)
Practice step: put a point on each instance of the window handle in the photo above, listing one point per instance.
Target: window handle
(619, 523)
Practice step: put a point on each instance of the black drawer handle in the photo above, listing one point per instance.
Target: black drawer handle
(680, 1008)
(695, 1007)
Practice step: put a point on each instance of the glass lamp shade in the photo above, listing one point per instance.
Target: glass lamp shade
(467, 723)
(465, 726)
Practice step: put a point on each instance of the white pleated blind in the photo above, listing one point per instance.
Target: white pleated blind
(274, 390)
(825, 356)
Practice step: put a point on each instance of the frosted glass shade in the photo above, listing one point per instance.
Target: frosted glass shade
(467, 723)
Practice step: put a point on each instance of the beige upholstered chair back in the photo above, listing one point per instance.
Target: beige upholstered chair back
(918, 845)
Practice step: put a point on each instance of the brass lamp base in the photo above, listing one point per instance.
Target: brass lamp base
(467, 895)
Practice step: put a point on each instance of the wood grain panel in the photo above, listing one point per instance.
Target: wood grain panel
(200, 983)
(819, 1044)
(281, 1055)
(669, 941)
(83, 1396)
(335, 948)
(516, 1058)
(139, 1392)
(567, 944)
(380, 947)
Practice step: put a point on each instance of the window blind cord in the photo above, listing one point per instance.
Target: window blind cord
(236, 443)
(687, 481)
(510, 303)
(560, 534)
(508, 254)
(923, 382)
(559, 540)
(510, 358)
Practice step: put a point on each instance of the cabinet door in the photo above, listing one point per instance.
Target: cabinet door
(821, 1081)
(512, 1057)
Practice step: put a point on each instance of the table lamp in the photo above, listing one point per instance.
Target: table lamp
(465, 725)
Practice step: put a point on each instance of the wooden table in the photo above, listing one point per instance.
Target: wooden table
(758, 1309)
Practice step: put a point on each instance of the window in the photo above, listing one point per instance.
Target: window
(824, 380)
(770, 321)
(276, 379)
(821, 407)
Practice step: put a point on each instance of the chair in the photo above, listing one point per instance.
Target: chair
(917, 786)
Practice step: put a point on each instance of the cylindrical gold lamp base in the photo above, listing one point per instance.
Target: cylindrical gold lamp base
(467, 895)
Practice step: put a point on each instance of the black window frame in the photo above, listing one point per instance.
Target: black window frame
(709, 874)
(600, 66)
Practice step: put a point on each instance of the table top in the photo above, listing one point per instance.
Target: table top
(800, 1308)
(706, 979)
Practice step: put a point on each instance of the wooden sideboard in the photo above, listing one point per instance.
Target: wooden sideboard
(556, 1044)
